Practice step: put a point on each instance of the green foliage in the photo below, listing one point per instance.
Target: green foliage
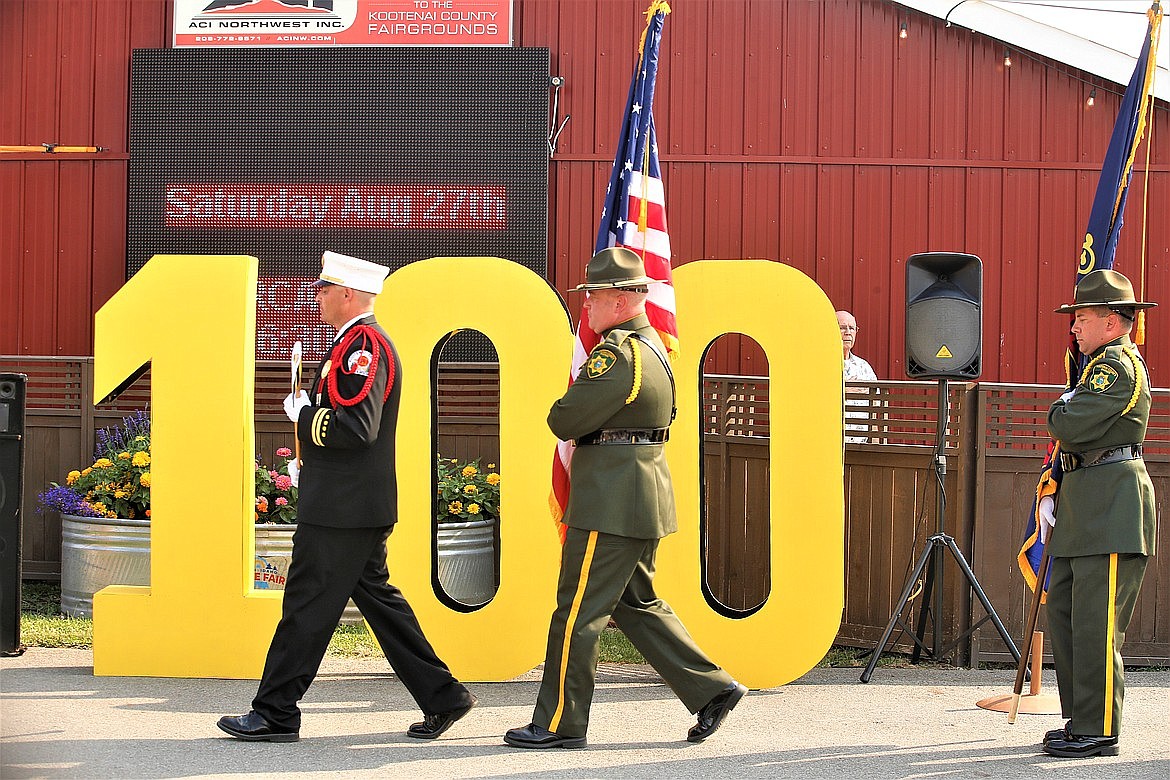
(465, 491)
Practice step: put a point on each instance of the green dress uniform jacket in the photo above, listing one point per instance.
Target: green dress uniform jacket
(620, 489)
(620, 504)
(1107, 508)
(1104, 531)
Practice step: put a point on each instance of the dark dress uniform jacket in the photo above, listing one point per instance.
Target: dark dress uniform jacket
(620, 490)
(1107, 508)
(348, 478)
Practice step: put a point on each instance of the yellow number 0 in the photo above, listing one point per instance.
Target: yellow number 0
(200, 611)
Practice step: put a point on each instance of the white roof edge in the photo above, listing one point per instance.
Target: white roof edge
(1051, 30)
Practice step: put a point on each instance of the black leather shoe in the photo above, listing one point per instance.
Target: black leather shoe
(253, 728)
(538, 737)
(1060, 733)
(431, 726)
(713, 712)
(1082, 747)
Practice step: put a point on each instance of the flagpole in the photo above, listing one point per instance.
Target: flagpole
(1029, 633)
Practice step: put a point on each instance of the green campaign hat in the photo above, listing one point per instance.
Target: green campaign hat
(1104, 288)
(615, 267)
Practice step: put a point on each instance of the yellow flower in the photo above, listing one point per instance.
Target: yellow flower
(491, 465)
(141, 459)
(72, 477)
(99, 507)
(493, 479)
(470, 471)
(85, 472)
(455, 507)
(473, 509)
(144, 480)
(102, 463)
(139, 438)
(470, 490)
(111, 513)
(119, 493)
(123, 456)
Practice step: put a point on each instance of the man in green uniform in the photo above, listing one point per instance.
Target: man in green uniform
(619, 411)
(1102, 526)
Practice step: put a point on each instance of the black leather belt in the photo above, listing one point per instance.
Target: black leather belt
(626, 436)
(1071, 461)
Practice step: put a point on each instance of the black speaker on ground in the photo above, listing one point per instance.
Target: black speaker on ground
(944, 317)
(12, 392)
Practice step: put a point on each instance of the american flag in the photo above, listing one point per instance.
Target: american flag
(634, 216)
(1097, 253)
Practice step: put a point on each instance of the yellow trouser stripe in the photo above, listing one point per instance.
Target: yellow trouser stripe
(582, 581)
(1110, 621)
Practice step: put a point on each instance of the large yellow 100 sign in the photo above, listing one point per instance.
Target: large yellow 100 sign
(200, 612)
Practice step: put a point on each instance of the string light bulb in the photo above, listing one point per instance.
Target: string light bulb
(1092, 97)
(902, 31)
(1007, 58)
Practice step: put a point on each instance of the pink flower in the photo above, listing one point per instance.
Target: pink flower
(273, 474)
(282, 501)
(283, 482)
(283, 452)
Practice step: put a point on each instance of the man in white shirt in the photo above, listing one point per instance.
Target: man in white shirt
(856, 370)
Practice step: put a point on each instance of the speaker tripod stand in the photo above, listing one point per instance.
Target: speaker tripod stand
(932, 560)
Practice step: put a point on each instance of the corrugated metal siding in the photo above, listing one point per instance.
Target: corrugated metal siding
(63, 238)
(804, 132)
(851, 149)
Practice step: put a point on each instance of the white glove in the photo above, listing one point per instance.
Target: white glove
(294, 473)
(1047, 518)
(294, 404)
(1066, 396)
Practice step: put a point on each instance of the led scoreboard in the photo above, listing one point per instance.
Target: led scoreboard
(389, 154)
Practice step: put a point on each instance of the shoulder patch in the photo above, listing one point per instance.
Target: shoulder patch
(599, 362)
(1101, 379)
(359, 362)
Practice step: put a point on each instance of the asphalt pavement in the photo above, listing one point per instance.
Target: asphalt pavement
(59, 721)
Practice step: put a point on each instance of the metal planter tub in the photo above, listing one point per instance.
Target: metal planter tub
(99, 551)
(467, 560)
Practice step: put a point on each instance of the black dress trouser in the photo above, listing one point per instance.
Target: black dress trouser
(330, 566)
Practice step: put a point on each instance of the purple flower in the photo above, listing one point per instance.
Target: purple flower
(66, 501)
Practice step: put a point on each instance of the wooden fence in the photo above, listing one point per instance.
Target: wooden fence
(994, 444)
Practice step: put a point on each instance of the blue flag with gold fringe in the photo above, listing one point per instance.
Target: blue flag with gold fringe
(1097, 252)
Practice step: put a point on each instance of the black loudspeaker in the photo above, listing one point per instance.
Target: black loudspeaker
(12, 392)
(944, 319)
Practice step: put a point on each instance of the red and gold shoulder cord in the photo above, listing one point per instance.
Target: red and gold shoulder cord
(371, 341)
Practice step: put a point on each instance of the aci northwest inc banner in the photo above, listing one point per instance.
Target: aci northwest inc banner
(342, 23)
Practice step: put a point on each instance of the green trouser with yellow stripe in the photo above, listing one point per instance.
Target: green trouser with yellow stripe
(603, 575)
(1090, 601)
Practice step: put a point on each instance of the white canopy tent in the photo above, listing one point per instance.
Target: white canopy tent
(1102, 37)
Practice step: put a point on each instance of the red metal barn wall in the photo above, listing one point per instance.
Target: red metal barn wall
(803, 132)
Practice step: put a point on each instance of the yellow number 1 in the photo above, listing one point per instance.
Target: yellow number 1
(198, 617)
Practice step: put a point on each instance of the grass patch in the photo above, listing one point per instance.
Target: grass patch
(43, 625)
(41, 621)
(616, 648)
